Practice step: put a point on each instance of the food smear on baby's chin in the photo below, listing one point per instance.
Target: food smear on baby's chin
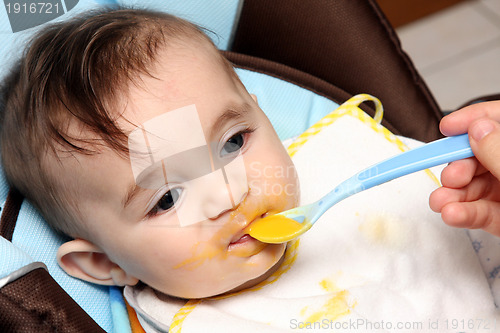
(216, 247)
(275, 228)
(201, 252)
(338, 305)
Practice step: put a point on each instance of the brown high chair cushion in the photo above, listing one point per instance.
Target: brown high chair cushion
(347, 43)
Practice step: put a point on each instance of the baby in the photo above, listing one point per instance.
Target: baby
(134, 136)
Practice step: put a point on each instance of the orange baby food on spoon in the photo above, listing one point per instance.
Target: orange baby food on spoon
(276, 229)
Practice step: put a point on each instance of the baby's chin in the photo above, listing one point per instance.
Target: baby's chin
(205, 293)
(255, 281)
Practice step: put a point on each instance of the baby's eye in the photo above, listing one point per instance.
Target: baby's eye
(234, 144)
(166, 202)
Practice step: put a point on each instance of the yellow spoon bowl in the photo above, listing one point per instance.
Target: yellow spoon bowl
(277, 229)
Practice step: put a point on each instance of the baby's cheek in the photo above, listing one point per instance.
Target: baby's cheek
(287, 178)
(295, 196)
(272, 175)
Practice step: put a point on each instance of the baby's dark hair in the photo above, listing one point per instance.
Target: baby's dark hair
(75, 70)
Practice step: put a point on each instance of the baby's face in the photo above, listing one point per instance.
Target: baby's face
(205, 163)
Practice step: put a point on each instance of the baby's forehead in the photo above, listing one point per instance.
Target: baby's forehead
(168, 134)
(173, 131)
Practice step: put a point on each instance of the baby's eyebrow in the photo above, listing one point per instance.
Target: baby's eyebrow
(132, 192)
(231, 113)
(151, 178)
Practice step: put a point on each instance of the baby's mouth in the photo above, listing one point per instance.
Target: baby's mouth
(242, 239)
(244, 245)
(242, 235)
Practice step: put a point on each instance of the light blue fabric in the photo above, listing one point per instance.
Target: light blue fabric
(290, 108)
(13, 258)
(119, 311)
(12, 44)
(218, 17)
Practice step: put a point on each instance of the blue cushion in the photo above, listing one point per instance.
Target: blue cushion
(13, 43)
(290, 108)
(219, 18)
(13, 258)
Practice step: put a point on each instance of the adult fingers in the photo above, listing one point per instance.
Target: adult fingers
(441, 197)
(484, 137)
(481, 187)
(481, 214)
(459, 173)
(458, 122)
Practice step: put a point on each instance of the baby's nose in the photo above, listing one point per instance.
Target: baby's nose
(221, 197)
(228, 187)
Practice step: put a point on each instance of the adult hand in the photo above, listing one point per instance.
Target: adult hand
(470, 196)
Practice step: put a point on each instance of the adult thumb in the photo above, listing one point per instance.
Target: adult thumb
(484, 137)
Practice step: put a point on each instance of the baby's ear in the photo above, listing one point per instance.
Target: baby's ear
(84, 260)
(254, 98)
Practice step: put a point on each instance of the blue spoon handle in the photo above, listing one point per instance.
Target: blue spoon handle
(429, 155)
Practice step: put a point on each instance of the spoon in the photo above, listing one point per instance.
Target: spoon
(287, 225)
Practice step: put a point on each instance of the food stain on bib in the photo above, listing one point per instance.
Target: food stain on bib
(338, 305)
(383, 229)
